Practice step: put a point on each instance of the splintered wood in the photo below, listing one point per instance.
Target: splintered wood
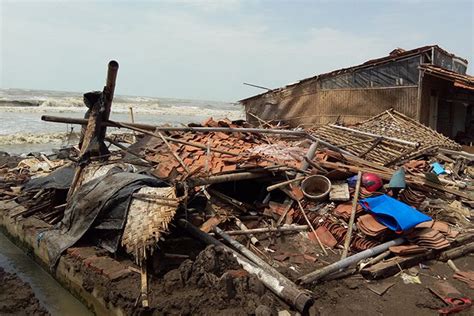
(150, 212)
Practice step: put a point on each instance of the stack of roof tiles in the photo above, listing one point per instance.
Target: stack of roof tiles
(215, 153)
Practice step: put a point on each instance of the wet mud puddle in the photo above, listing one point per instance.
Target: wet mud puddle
(52, 296)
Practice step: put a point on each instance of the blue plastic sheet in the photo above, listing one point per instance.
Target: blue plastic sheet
(392, 213)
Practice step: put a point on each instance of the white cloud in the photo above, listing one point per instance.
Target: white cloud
(193, 49)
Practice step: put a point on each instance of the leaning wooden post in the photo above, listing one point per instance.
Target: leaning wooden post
(109, 91)
(95, 129)
(347, 242)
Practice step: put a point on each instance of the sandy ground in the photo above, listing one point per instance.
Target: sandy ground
(17, 297)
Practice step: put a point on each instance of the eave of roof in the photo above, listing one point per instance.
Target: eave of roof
(462, 81)
(366, 64)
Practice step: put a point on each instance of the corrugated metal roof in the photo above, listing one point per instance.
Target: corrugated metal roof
(462, 81)
(400, 54)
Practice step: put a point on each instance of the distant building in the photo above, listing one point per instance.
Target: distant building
(427, 83)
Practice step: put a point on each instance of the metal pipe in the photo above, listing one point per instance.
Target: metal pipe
(287, 291)
(346, 262)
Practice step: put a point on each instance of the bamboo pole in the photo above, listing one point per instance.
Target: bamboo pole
(225, 178)
(175, 155)
(347, 242)
(68, 120)
(242, 226)
(284, 183)
(292, 228)
(312, 228)
(401, 141)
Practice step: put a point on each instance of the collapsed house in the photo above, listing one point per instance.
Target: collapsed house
(319, 204)
(427, 84)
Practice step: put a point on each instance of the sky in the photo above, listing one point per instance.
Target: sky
(207, 49)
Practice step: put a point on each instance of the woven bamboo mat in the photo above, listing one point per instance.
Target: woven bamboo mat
(150, 212)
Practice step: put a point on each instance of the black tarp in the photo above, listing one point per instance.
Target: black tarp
(103, 199)
(60, 179)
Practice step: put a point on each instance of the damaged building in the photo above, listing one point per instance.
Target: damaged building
(427, 84)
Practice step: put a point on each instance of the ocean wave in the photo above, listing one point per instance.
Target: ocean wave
(124, 109)
(49, 99)
(42, 138)
(19, 103)
(66, 102)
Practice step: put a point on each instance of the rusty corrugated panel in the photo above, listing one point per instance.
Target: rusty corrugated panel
(299, 106)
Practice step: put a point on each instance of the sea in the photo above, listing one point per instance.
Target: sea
(23, 131)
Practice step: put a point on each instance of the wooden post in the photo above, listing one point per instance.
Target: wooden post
(95, 130)
(132, 117)
(109, 91)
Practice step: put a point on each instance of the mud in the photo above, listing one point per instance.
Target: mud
(214, 284)
(17, 297)
(351, 296)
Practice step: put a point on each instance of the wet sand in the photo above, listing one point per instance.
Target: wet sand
(17, 297)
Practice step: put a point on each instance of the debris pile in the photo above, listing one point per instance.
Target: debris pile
(291, 208)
